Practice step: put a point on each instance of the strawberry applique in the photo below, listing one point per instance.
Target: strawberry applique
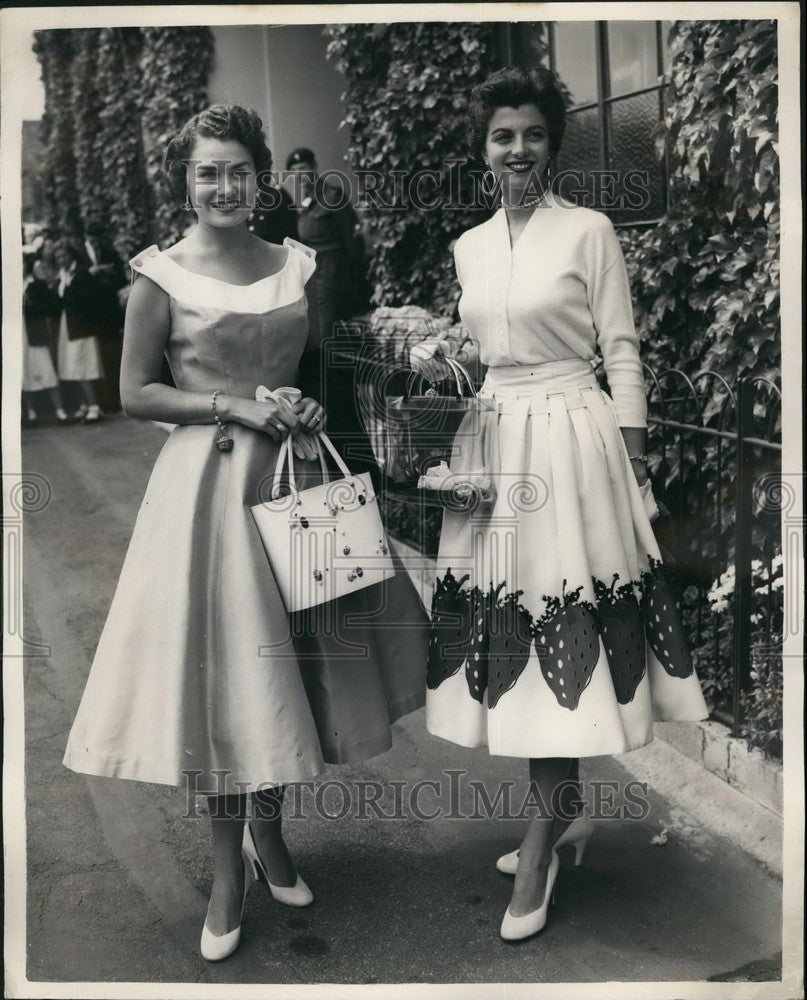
(568, 645)
(623, 635)
(663, 627)
(509, 646)
(476, 666)
(450, 629)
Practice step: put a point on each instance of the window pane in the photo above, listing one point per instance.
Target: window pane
(576, 59)
(581, 152)
(632, 123)
(632, 56)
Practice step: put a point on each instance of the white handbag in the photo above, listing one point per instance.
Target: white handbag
(325, 541)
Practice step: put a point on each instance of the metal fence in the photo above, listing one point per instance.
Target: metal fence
(715, 453)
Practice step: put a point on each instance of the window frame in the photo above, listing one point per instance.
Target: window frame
(513, 51)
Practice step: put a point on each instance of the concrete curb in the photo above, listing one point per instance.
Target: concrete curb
(711, 745)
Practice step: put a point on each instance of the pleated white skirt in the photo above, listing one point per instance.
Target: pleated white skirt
(78, 360)
(563, 639)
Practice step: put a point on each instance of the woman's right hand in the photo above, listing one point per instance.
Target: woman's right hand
(429, 359)
(275, 419)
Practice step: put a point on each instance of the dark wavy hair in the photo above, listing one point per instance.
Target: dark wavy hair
(512, 87)
(220, 121)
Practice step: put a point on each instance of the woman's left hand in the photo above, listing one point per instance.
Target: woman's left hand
(311, 416)
(639, 467)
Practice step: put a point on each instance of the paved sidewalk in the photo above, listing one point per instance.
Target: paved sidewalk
(117, 878)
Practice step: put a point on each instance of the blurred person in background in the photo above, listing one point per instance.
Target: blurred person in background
(45, 267)
(78, 351)
(41, 309)
(108, 277)
(327, 223)
(273, 219)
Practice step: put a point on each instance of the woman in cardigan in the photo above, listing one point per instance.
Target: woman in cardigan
(569, 645)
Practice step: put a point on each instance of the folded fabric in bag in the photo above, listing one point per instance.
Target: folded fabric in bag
(650, 505)
(325, 541)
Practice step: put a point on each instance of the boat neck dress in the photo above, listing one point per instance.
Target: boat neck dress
(200, 676)
(555, 631)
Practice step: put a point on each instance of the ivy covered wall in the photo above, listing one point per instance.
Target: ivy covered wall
(113, 96)
(706, 279)
(405, 111)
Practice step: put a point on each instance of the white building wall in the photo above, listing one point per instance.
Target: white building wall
(282, 72)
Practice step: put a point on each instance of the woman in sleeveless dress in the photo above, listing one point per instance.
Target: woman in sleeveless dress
(568, 643)
(201, 678)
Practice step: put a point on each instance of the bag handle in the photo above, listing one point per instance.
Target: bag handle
(413, 375)
(322, 438)
(461, 375)
(281, 461)
(410, 383)
(286, 456)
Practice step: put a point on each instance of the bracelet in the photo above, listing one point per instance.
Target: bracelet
(223, 442)
(638, 458)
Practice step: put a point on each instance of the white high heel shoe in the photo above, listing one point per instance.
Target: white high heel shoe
(578, 832)
(291, 895)
(519, 928)
(216, 947)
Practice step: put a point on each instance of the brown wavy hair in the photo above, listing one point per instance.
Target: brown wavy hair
(220, 121)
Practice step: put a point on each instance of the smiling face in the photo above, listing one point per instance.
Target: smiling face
(517, 149)
(221, 182)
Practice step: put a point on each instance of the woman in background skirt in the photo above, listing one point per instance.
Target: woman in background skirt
(78, 352)
(568, 643)
(41, 309)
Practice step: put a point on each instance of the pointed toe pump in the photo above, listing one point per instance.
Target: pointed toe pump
(290, 895)
(578, 832)
(217, 947)
(523, 927)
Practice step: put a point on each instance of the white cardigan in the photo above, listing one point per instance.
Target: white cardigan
(561, 292)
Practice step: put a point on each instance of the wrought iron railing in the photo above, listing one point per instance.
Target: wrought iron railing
(712, 444)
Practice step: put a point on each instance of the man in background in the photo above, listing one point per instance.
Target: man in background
(327, 223)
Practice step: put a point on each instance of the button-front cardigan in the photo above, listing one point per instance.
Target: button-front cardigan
(561, 292)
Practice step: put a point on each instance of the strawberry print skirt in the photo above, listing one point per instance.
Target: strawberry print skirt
(555, 632)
